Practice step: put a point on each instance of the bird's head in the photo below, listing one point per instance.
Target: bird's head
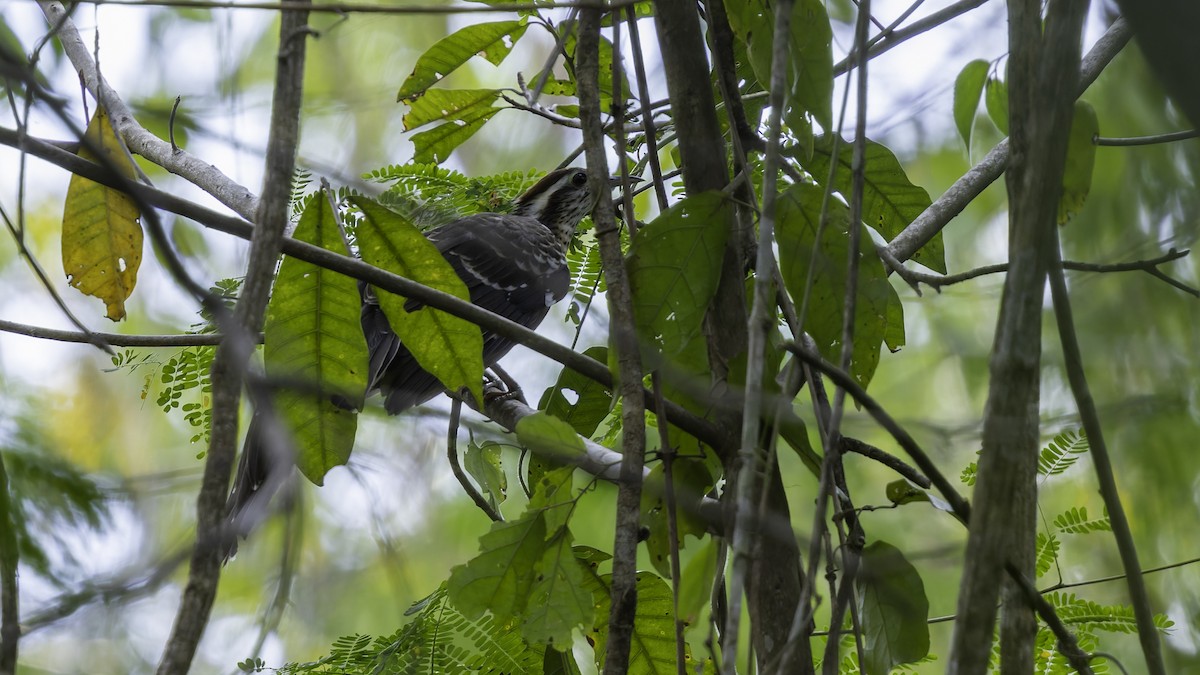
(559, 201)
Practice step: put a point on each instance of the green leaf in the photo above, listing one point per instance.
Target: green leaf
(696, 580)
(559, 602)
(500, 577)
(878, 314)
(449, 348)
(592, 400)
(313, 337)
(550, 437)
(890, 200)
(449, 105)
(553, 498)
(482, 461)
(1081, 156)
(492, 41)
(1075, 521)
(810, 56)
(893, 608)
(674, 266)
(691, 481)
(652, 648)
(434, 146)
(968, 87)
(1046, 550)
(101, 235)
(1062, 452)
(995, 98)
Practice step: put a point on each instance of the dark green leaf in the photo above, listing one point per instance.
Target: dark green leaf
(450, 348)
(968, 87)
(674, 267)
(995, 98)
(592, 400)
(893, 608)
(890, 200)
(313, 337)
(878, 316)
(492, 41)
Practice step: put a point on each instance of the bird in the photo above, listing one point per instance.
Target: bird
(513, 264)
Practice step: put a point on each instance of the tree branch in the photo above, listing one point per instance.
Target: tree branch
(931, 221)
(196, 171)
(1073, 362)
(700, 428)
(625, 342)
(229, 364)
(1042, 76)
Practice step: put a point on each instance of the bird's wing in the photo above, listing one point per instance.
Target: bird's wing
(511, 266)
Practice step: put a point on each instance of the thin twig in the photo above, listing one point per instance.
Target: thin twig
(10, 627)
(456, 467)
(843, 379)
(1150, 266)
(114, 339)
(1171, 137)
(1073, 362)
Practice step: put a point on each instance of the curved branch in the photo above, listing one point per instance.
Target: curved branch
(195, 170)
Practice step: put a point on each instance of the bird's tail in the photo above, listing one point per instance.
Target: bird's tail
(266, 462)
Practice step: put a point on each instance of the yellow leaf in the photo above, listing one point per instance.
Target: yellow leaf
(101, 235)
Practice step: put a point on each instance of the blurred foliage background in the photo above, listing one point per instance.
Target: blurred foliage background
(384, 531)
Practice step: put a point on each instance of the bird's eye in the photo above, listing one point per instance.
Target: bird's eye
(579, 179)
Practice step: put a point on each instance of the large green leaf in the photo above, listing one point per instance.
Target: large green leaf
(890, 200)
(592, 400)
(894, 609)
(313, 338)
(434, 146)
(492, 41)
(674, 267)
(878, 316)
(450, 348)
(652, 651)
(500, 577)
(968, 87)
(442, 105)
(558, 600)
(810, 57)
